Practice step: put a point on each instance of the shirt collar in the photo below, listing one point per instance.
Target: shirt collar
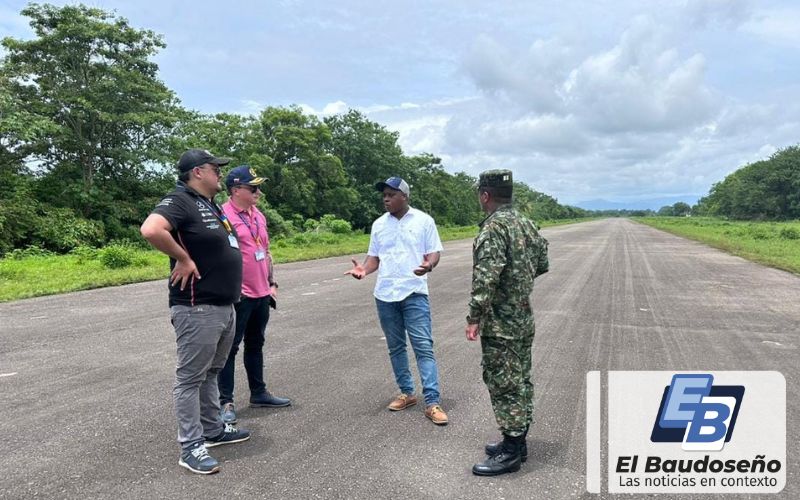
(501, 208)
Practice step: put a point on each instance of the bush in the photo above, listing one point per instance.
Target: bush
(310, 225)
(334, 225)
(27, 252)
(278, 226)
(117, 256)
(790, 233)
(85, 253)
(62, 230)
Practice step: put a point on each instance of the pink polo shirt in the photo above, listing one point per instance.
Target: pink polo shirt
(251, 227)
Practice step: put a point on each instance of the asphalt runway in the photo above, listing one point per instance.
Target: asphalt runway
(86, 378)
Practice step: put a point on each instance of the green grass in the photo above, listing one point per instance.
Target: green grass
(34, 276)
(775, 244)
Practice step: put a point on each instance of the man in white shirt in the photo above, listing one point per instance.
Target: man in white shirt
(404, 246)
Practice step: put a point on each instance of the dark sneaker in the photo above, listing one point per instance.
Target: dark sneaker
(229, 435)
(197, 460)
(227, 414)
(267, 400)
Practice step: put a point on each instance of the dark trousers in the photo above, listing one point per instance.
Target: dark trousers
(252, 316)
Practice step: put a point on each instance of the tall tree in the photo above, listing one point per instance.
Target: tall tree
(369, 153)
(307, 178)
(88, 78)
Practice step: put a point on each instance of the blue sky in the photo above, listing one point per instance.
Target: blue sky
(627, 101)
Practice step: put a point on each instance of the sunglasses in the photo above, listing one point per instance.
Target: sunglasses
(252, 189)
(216, 169)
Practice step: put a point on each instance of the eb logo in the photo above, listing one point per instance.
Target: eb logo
(696, 413)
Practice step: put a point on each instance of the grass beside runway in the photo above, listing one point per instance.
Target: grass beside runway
(37, 273)
(776, 244)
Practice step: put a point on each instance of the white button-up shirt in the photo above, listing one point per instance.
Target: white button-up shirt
(401, 245)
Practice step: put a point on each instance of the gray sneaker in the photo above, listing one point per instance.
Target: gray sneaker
(229, 435)
(197, 460)
(227, 414)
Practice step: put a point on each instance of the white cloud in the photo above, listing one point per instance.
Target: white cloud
(779, 26)
(584, 100)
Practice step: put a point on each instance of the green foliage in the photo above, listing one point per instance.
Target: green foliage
(679, 209)
(30, 251)
(62, 230)
(771, 243)
(89, 133)
(85, 253)
(768, 189)
(278, 226)
(334, 225)
(119, 255)
(89, 113)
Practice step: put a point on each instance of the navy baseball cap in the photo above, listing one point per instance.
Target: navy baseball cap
(243, 174)
(197, 157)
(395, 183)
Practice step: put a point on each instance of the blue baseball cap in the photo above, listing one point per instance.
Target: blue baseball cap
(243, 174)
(395, 183)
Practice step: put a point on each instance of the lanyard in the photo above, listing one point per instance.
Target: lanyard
(255, 235)
(219, 214)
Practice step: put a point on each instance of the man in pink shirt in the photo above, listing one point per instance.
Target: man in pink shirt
(259, 291)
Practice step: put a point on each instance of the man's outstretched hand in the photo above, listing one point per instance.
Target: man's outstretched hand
(424, 268)
(358, 270)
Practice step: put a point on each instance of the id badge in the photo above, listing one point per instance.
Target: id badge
(233, 241)
(260, 254)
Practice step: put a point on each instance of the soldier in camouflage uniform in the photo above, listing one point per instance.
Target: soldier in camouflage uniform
(508, 254)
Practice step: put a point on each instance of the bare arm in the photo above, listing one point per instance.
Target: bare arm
(156, 230)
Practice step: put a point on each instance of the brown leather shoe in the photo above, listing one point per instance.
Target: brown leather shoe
(436, 414)
(402, 402)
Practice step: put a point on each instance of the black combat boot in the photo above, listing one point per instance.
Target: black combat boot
(508, 459)
(493, 449)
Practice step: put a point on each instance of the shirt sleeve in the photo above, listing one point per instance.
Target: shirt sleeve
(374, 247)
(172, 208)
(432, 241)
(490, 260)
(543, 263)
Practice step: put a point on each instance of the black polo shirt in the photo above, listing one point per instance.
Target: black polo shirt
(198, 228)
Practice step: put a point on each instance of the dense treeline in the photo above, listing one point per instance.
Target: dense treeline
(764, 190)
(89, 134)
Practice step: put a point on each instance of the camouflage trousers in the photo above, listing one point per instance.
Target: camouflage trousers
(507, 374)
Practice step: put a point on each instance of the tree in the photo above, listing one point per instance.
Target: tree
(681, 209)
(369, 153)
(306, 178)
(87, 79)
(768, 189)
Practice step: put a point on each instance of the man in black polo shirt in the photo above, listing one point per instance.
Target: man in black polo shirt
(205, 282)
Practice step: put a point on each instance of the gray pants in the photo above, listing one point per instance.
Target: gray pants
(203, 335)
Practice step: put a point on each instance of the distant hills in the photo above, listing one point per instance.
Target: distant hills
(648, 203)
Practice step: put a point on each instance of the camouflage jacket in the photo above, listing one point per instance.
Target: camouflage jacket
(508, 254)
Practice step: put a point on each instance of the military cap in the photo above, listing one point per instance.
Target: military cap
(501, 178)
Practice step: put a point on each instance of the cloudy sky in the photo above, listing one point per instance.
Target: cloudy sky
(626, 101)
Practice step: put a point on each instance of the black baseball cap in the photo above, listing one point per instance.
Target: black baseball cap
(197, 157)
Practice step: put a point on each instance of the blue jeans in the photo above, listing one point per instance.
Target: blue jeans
(252, 316)
(411, 316)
